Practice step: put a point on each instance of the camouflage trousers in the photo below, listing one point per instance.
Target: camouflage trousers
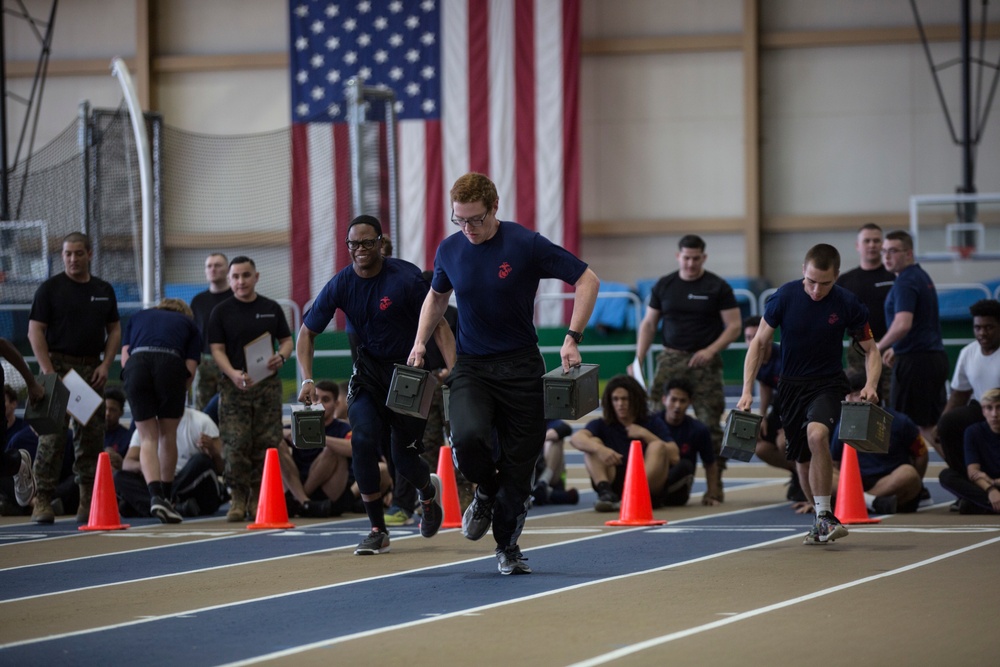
(709, 400)
(249, 423)
(856, 362)
(88, 440)
(206, 382)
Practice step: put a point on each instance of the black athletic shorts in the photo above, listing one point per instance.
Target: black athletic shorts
(805, 400)
(156, 385)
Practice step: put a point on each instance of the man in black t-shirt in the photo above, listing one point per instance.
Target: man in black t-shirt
(871, 283)
(206, 383)
(700, 319)
(249, 411)
(73, 325)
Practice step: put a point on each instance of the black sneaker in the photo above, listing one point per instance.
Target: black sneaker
(478, 517)
(924, 499)
(607, 501)
(376, 543)
(795, 493)
(884, 504)
(164, 511)
(433, 513)
(540, 494)
(510, 561)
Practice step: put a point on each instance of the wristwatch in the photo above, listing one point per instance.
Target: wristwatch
(575, 335)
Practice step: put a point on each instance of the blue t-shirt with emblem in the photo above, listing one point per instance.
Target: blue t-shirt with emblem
(812, 332)
(383, 308)
(495, 284)
(914, 292)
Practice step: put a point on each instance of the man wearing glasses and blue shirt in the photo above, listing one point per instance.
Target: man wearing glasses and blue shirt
(494, 268)
(382, 297)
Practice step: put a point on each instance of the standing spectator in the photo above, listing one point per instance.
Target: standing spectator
(870, 282)
(196, 489)
(976, 372)
(17, 463)
(160, 352)
(382, 297)
(913, 346)
(249, 411)
(207, 381)
(494, 268)
(116, 436)
(692, 440)
(700, 318)
(978, 490)
(605, 443)
(73, 325)
(813, 315)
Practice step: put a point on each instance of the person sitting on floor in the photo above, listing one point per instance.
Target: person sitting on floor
(979, 491)
(550, 470)
(693, 440)
(891, 481)
(605, 443)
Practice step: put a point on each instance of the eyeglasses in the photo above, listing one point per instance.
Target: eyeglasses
(367, 244)
(471, 222)
(892, 251)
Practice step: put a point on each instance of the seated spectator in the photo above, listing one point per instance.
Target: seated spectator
(550, 470)
(605, 443)
(891, 481)
(693, 440)
(978, 491)
(318, 481)
(976, 372)
(18, 480)
(197, 490)
(212, 409)
(116, 436)
(771, 442)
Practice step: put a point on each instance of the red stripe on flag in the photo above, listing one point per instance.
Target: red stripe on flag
(301, 234)
(342, 184)
(479, 86)
(434, 205)
(571, 125)
(524, 112)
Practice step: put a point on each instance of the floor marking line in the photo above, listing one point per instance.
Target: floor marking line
(650, 643)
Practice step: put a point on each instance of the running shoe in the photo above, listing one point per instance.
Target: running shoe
(607, 501)
(510, 561)
(478, 517)
(24, 480)
(376, 543)
(826, 529)
(397, 516)
(164, 511)
(433, 512)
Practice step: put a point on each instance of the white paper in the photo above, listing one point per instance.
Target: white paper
(83, 400)
(257, 353)
(637, 373)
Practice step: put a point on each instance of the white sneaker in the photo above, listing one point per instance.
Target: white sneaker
(24, 480)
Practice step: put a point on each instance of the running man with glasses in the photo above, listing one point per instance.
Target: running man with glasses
(494, 268)
(381, 296)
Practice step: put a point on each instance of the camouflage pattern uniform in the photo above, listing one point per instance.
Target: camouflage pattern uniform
(249, 423)
(88, 440)
(206, 383)
(709, 401)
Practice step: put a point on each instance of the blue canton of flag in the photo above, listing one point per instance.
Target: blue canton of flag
(389, 43)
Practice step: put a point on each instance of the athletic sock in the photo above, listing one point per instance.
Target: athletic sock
(168, 490)
(155, 489)
(823, 504)
(427, 493)
(603, 486)
(376, 514)
(869, 499)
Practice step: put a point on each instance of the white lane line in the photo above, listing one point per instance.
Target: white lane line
(658, 641)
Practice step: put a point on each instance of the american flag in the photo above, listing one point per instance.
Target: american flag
(480, 85)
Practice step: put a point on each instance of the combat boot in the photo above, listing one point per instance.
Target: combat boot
(252, 503)
(83, 511)
(43, 512)
(237, 506)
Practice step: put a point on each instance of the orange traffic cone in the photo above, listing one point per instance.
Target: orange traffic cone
(103, 501)
(271, 510)
(850, 496)
(637, 508)
(449, 490)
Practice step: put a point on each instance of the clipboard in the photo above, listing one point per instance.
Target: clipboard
(257, 353)
(83, 400)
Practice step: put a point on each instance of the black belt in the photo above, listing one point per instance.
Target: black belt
(151, 348)
(78, 361)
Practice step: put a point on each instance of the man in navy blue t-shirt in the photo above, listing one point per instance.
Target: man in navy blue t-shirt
(494, 268)
(382, 297)
(813, 315)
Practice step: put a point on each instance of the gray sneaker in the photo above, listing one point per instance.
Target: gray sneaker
(478, 517)
(24, 480)
(376, 543)
(510, 561)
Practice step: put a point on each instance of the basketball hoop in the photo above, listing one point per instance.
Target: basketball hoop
(964, 252)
